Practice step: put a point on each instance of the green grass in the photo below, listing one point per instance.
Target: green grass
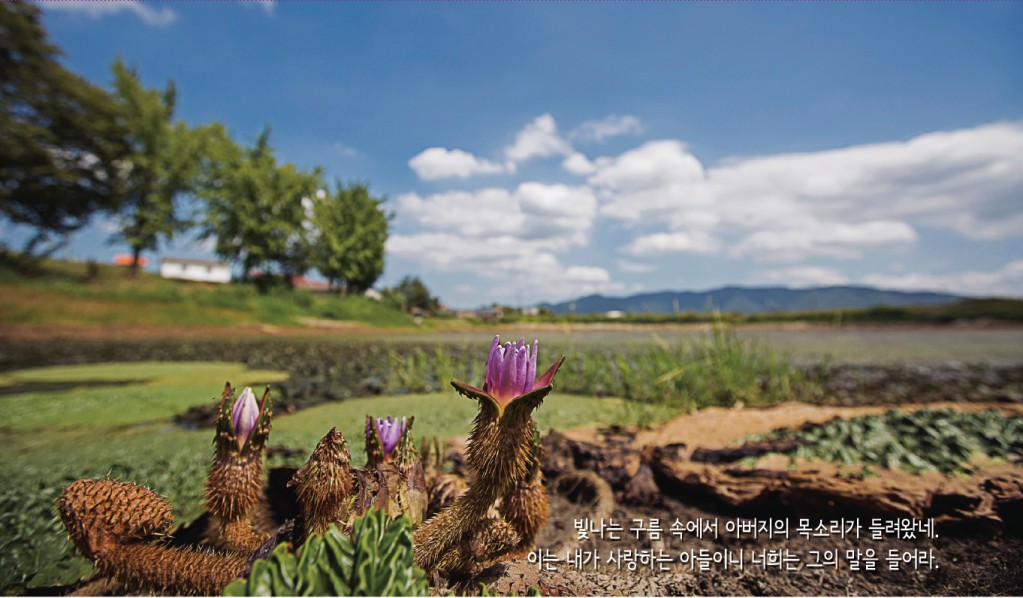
(160, 390)
(59, 293)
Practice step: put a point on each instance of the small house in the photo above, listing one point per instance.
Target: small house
(197, 270)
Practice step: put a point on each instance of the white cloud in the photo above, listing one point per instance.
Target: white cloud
(661, 243)
(653, 165)
(539, 139)
(607, 127)
(802, 277)
(835, 202)
(96, 10)
(578, 164)
(587, 274)
(514, 270)
(441, 163)
(1006, 281)
(833, 239)
(559, 214)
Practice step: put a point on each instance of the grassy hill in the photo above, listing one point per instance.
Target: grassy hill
(62, 293)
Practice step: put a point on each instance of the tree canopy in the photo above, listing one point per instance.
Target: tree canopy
(162, 162)
(62, 143)
(352, 230)
(412, 293)
(255, 208)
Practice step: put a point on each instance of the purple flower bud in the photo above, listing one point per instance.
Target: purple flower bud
(244, 415)
(511, 371)
(390, 431)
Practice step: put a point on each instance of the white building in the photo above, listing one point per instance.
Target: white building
(198, 270)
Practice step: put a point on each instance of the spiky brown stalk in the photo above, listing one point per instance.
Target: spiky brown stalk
(100, 514)
(110, 523)
(144, 568)
(374, 446)
(235, 482)
(524, 505)
(499, 454)
(324, 484)
(490, 541)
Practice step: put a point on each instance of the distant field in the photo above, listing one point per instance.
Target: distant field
(74, 298)
(906, 344)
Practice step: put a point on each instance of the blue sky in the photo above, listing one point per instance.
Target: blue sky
(543, 151)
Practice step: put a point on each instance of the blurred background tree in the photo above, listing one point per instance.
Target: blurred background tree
(254, 207)
(352, 229)
(62, 148)
(412, 294)
(162, 164)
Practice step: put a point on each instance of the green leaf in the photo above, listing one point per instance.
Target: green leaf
(375, 561)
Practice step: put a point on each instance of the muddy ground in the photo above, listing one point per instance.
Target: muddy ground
(968, 540)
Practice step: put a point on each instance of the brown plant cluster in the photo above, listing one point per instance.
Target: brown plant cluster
(488, 511)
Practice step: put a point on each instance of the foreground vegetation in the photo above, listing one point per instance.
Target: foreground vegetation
(114, 420)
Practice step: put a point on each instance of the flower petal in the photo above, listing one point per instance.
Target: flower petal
(548, 377)
(244, 414)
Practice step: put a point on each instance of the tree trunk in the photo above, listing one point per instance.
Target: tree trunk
(136, 252)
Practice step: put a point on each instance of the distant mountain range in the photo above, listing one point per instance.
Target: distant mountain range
(750, 300)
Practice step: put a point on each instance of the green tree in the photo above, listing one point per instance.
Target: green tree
(61, 144)
(412, 293)
(162, 163)
(254, 207)
(352, 230)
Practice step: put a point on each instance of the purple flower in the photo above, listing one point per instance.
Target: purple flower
(390, 431)
(244, 415)
(511, 371)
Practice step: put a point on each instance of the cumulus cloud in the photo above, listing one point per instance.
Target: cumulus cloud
(834, 239)
(1005, 281)
(96, 10)
(605, 128)
(577, 163)
(539, 139)
(835, 202)
(512, 239)
(676, 242)
(441, 163)
(559, 214)
(511, 269)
